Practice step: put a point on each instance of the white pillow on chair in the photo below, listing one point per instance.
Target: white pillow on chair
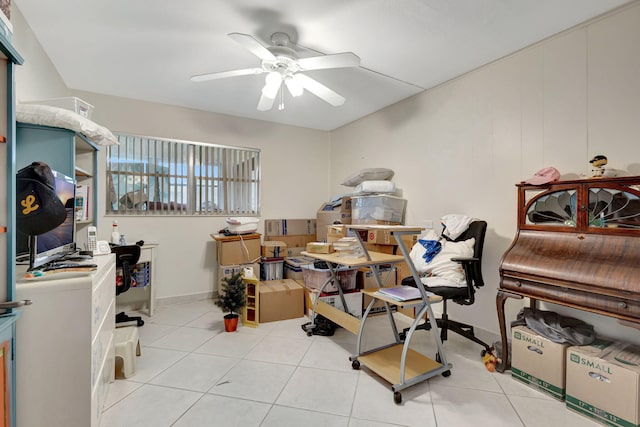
(441, 265)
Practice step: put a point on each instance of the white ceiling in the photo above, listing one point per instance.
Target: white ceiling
(148, 49)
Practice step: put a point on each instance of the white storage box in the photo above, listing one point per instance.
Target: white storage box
(376, 209)
(314, 278)
(70, 103)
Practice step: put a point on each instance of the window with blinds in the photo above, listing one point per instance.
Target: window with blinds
(153, 176)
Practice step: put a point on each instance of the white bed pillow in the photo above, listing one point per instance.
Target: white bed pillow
(46, 115)
(369, 174)
(377, 186)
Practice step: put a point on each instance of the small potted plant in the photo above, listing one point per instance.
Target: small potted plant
(232, 299)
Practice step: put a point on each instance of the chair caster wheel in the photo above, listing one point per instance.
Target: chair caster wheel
(446, 374)
(397, 397)
(140, 322)
(309, 333)
(355, 364)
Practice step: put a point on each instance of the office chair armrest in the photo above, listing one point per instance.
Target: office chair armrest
(465, 260)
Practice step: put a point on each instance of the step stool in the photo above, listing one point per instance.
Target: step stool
(127, 347)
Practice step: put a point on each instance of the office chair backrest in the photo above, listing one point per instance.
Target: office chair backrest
(126, 257)
(477, 230)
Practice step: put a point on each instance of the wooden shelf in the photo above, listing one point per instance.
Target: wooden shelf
(386, 363)
(376, 259)
(82, 173)
(373, 293)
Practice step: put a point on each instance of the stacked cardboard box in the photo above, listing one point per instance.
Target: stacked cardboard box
(234, 253)
(295, 233)
(332, 213)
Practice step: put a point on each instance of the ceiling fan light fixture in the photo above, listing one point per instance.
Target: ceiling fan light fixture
(272, 84)
(294, 85)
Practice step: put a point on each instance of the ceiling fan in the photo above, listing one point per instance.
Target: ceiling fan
(283, 65)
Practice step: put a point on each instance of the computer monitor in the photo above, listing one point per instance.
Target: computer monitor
(60, 241)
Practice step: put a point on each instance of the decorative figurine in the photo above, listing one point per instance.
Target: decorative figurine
(598, 163)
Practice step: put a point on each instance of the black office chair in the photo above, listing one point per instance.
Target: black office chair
(126, 259)
(472, 268)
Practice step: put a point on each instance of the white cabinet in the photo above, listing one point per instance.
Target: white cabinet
(65, 342)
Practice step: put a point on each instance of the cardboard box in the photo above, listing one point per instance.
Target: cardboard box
(274, 249)
(538, 362)
(352, 298)
(239, 249)
(229, 270)
(295, 244)
(289, 227)
(319, 247)
(293, 267)
(329, 214)
(603, 382)
(280, 300)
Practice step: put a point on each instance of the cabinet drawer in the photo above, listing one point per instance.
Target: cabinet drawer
(583, 300)
(103, 295)
(101, 343)
(99, 392)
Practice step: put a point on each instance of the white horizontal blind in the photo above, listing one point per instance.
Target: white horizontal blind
(153, 176)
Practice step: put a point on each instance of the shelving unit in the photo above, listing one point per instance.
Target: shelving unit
(9, 58)
(251, 311)
(64, 151)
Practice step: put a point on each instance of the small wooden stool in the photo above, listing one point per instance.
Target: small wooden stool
(127, 347)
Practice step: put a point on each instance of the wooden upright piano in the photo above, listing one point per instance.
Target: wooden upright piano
(577, 245)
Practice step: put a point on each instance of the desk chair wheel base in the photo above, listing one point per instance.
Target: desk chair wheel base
(446, 374)
(397, 397)
(355, 364)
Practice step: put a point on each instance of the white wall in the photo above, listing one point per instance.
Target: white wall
(295, 164)
(462, 147)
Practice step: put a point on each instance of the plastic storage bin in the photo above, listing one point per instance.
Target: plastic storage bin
(315, 277)
(272, 270)
(70, 103)
(377, 209)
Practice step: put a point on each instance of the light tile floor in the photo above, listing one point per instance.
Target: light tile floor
(192, 373)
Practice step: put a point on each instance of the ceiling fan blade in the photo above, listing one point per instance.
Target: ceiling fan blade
(265, 103)
(320, 90)
(338, 60)
(253, 46)
(225, 74)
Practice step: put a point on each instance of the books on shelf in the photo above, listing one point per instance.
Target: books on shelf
(402, 293)
(82, 203)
